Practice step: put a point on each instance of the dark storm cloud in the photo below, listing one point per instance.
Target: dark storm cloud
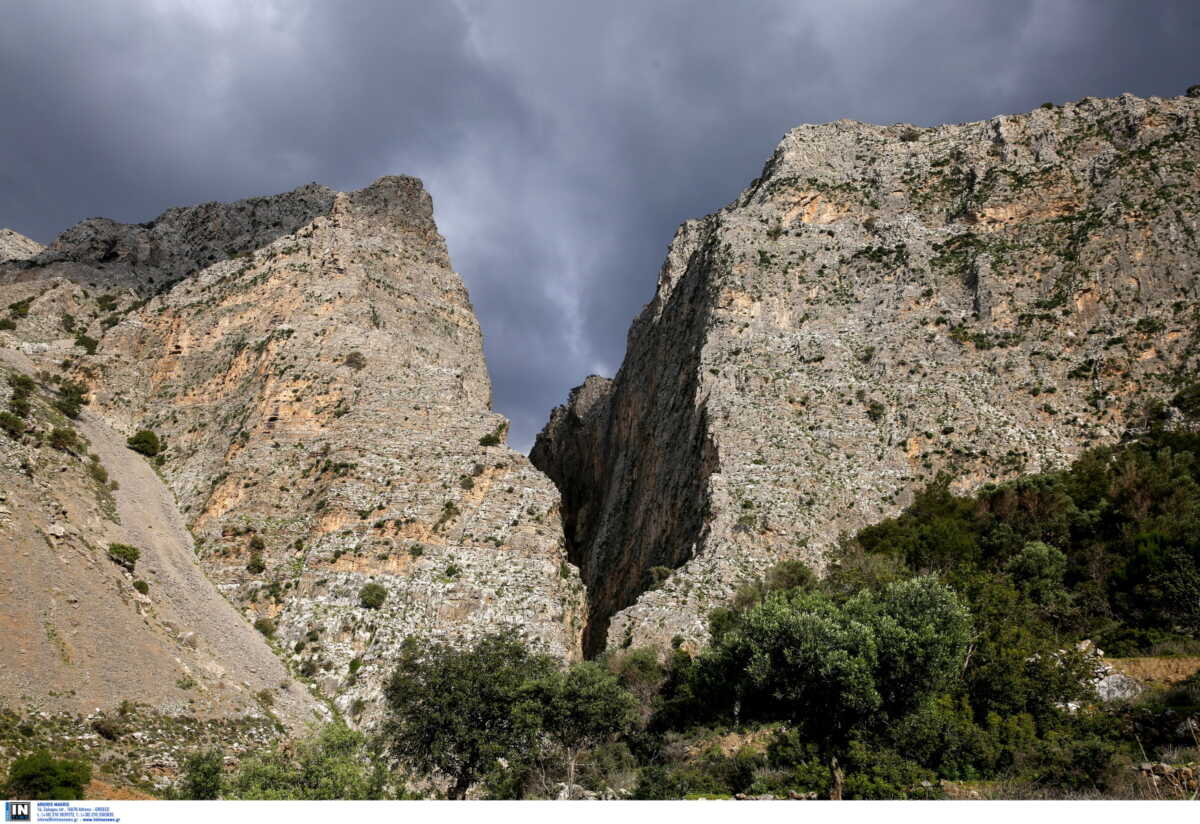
(563, 142)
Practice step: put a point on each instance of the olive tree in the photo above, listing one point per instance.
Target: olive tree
(582, 708)
(456, 711)
(836, 669)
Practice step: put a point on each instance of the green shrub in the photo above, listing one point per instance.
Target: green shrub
(1149, 326)
(21, 385)
(496, 437)
(65, 440)
(455, 711)
(256, 565)
(336, 764)
(13, 426)
(372, 596)
(97, 471)
(1187, 400)
(145, 442)
(88, 344)
(42, 777)
(124, 555)
(202, 775)
(656, 576)
(266, 626)
(72, 397)
(141, 586)
(356, 360)
(20, 406)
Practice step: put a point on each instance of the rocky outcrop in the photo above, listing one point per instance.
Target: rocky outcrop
(317, 378)
(15, 246)
(885, 303)
(149, 257)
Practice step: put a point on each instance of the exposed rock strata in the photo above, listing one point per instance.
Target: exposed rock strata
(883, 304)
(318, 378)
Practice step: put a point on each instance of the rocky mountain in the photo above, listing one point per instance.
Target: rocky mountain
(883, 304)
(304, 376)
(313, 371)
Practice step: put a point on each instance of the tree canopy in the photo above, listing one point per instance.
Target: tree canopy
(456, 712)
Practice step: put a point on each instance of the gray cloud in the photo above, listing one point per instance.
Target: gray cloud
(563, 142)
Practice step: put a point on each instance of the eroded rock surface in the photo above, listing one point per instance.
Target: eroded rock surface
(316, 373)
(883, 304)
(15, 246)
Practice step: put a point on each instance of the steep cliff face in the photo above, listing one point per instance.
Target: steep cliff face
(317, 377)
(881, 305)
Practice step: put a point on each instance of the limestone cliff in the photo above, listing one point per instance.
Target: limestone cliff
(315, 370)
(883, 304)
(15, 246)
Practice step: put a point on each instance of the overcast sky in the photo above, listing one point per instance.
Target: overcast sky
(562, 141)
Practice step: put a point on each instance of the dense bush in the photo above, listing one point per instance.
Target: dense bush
(372, 596)
(13, 426)
(495, 437)
(202, 775)
(836, 670)
(124, 555)
(22, 388)
(1108, 549)
(72, 396)
(455, 712)
(42, 777)
(65, 439)
(145, 442)
(334, 764)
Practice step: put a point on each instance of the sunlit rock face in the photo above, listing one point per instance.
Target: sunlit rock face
(315, 369)
(883, 304)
